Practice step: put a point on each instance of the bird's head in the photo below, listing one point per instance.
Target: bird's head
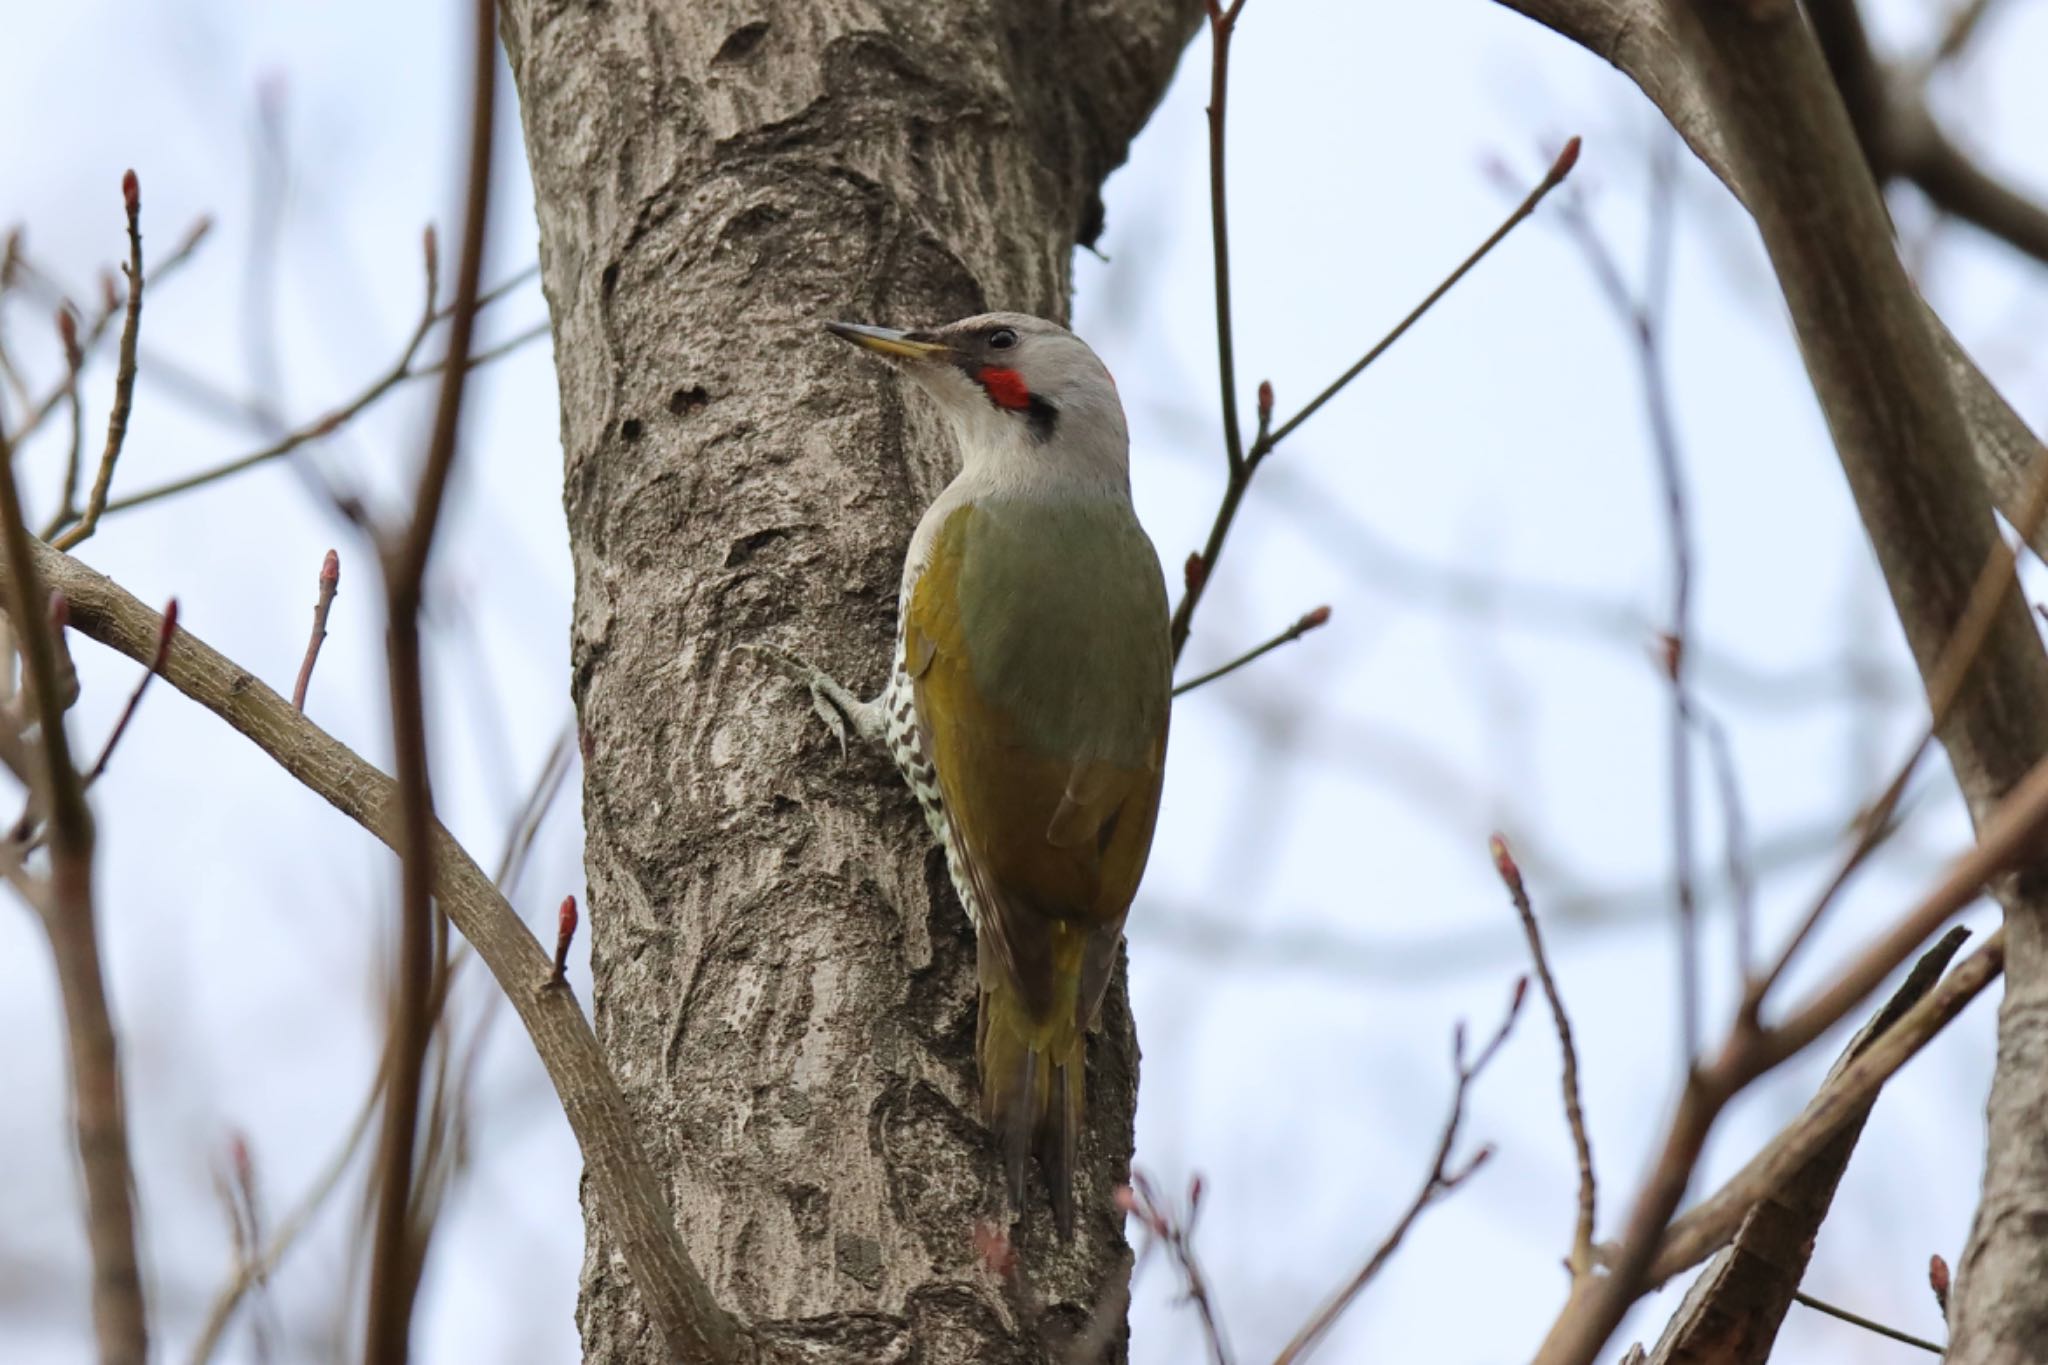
(1012, 385)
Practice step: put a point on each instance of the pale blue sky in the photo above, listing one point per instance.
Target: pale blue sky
(1330, 806)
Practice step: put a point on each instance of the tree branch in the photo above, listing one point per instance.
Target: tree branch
(1707, 1226)
(1313, 619)
(620, 1179)
(1441, 1180)
(394, 1254)
(1580, 1257)
(1201, 566)
(124, 381)
(1733, 1312)
(119, 1316)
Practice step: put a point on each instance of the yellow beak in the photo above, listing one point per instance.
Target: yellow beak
(885, 340)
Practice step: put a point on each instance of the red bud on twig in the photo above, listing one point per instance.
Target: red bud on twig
(1672, 655)
(1195, 572)
(565, 933)
(131, 193)
(330, 570)
(67, 333)
(1566, 159)
(1938, 1281)
(1312, 620)
(1504, 863)
(1265, 401)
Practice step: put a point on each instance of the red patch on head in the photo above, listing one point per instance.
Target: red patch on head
(1006, 388)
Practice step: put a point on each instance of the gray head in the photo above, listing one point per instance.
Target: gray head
(1011, 384)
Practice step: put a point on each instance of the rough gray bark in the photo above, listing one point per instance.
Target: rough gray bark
(784, 981)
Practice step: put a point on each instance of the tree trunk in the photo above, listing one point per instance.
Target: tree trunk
(784, 980)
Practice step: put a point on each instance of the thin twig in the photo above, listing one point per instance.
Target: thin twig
(1440, 1181)
(1202, 565)
(156, 666)
(259, 1266)
(74, 459)
(400, 373)
(1561, 167)
(1735, 839)
(1867, 1324)
(1174, 1229)
(2007, 836)
(1222, 25)
(1644, 324)
(330, 583)
(1706, 1226)
(619, 1176)
(1580, 1258)
(124, 376)
(1308, 621)
(394, 1254)
(99, 1125)
(517, 341)
(554, 770)
(1961, 28)
(103, 318)
(1972, 631)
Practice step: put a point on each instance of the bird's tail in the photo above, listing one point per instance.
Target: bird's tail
(1032, 1072)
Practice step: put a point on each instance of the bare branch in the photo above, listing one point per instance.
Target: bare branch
(1202, 565)
(1313, 619)
(1441, 1180)
(1221, 26)
(100, 1127)
(124, 378)
(1866, 1324)
(394, 1250)
(1175, 1230)
(1708, 1225)
(1559, 168)
(103, 317)
(74, 361)
(621, 1179)
(156, 665)
(1580, 1258)
(1733, 1312)
(1645, 329)
(400, 373)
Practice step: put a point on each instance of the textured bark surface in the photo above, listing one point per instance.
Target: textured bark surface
(784, 981)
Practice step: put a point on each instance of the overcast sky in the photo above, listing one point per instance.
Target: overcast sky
(1480, 509)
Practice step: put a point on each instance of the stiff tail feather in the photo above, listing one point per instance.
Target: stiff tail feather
(1032, 1079)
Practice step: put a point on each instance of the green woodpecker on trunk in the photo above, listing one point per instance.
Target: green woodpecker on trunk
(1027, 702)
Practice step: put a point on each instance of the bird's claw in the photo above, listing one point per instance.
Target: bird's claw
(834, 702)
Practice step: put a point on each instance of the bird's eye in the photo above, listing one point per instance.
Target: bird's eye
(1002, 339)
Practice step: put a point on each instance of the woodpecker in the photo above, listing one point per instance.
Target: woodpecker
(1027, 701)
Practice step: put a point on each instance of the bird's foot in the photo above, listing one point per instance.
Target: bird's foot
(834, 702)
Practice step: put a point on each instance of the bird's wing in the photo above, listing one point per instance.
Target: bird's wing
(1053, 841)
